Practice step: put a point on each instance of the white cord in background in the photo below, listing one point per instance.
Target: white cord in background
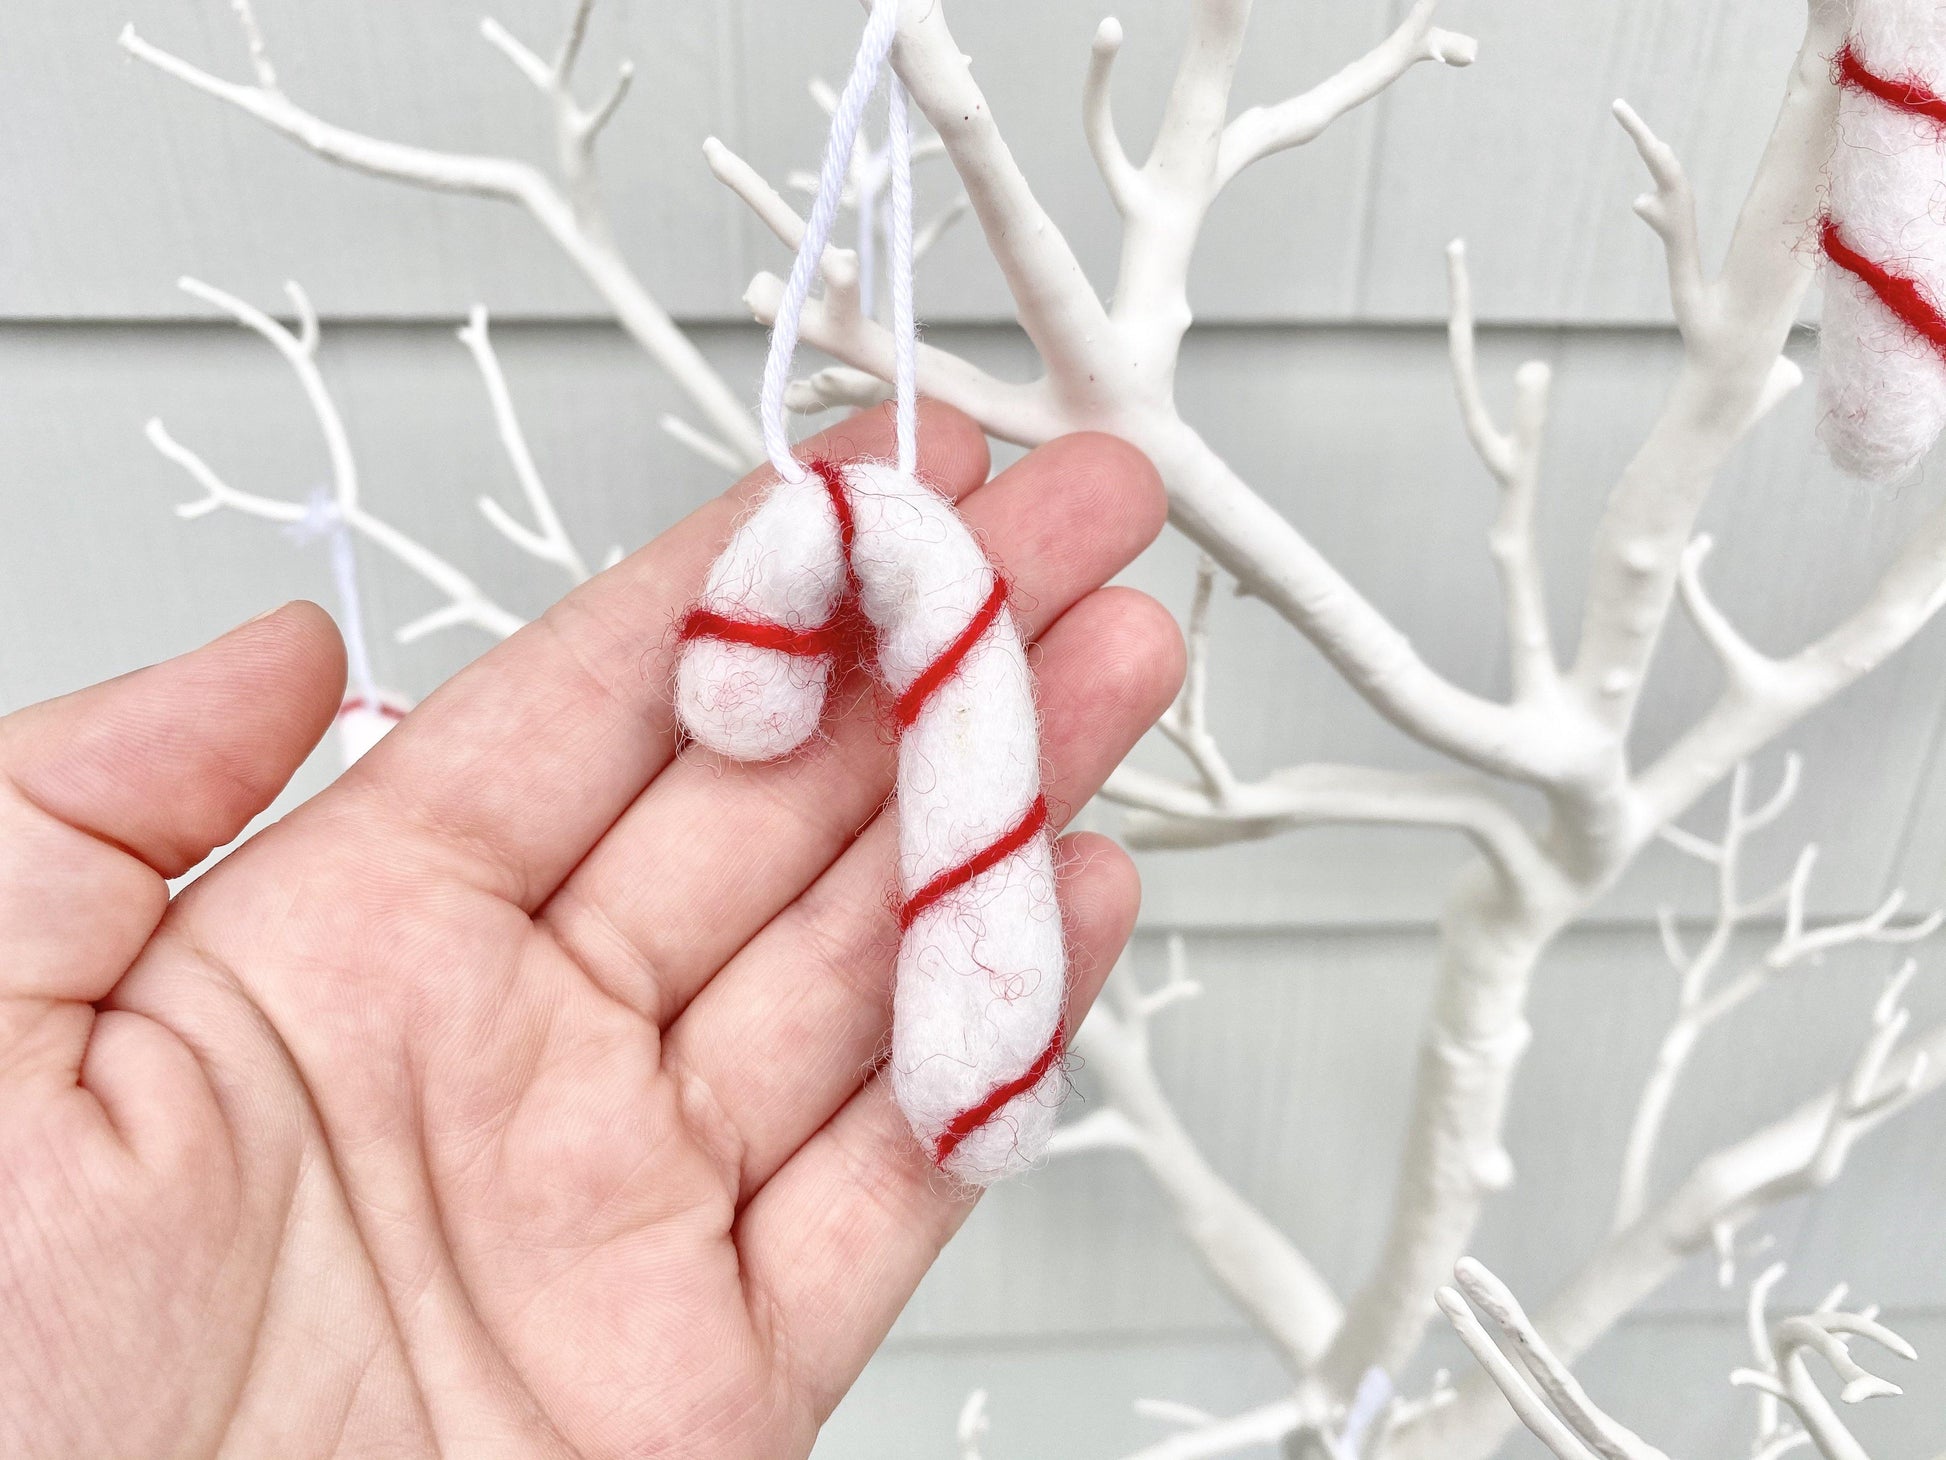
(323, 518)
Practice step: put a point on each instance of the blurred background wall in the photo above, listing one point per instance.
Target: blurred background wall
(1317, 366)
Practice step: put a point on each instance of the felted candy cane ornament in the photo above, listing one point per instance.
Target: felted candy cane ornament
(844, 559)
(1882, 380)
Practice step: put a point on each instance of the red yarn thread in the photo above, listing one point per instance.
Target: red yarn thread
(840, 635)
(359, 702)
(971, 1119)
(837, 489)
(947, 664)
(703, 623)
(1897, 292)
(988, 857)
(1908, 94)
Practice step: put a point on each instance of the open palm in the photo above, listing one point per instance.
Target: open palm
(514, 1096)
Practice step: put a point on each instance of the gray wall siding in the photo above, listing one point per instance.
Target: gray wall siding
(127, 180)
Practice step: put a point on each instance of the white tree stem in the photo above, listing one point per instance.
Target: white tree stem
(510, 181)
(1726, 1189)
(1248, 1257)
(551, 543)
(1733, 337)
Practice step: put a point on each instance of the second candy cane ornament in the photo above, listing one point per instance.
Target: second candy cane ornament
(1882, 380)
(843, 559)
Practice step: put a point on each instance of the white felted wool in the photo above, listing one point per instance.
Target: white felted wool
(1882, 385)
(981, 978)
(784, 566)
(981, 972)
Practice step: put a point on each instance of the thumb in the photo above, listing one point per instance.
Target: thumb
(108, 792)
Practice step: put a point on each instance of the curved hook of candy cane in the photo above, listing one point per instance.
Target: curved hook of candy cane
(760, 645)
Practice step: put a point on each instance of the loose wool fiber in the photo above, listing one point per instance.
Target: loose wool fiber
(1882, 379)
(977, 1032)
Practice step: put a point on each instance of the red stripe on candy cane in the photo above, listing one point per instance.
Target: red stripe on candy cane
(703, 623)
(1898, 293)
(968, 1121)
(947, 664)
(1019, 835)
(1907, 94)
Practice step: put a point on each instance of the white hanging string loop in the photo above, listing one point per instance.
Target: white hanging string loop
(905, 327)
(324, 518)
(846, 118)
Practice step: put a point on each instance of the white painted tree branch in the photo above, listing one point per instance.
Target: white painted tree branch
(1798, 1153)
(1011, 410)
(1260, 131)
(1734, 329)
(1492, 939)
(701, 443)
(1186, 722)
(973, 1425)
(837, 266)
(1255, 1264)
(836, 385)
(1541, 1389)
(1701, 1000)
(1764, 697)
(1122, 178)
(1514, 459)
(1118, 375)
(576, 128)
(1544, 1395)
(1772, 1432)
(571, 219)
(1170, 814)
(467, 604)
(1252, 1430)
(1784, 1375)
(550, 543)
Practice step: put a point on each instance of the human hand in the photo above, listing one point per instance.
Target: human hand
(513, 1097)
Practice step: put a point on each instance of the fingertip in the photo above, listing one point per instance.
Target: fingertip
(173, 760)
(1118, 479)
(1101, 892)
(1155, 657)
(953, 449)
(1130, 666)
(285, 667)
(301, 639)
